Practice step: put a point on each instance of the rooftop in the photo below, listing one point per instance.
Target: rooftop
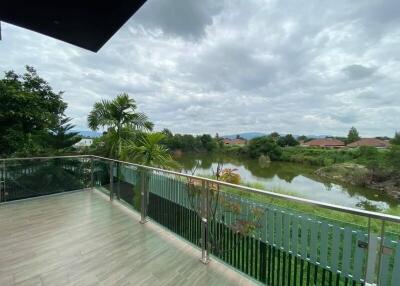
(371, 142)
(328, 142)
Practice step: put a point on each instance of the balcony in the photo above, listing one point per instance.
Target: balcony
(118, 223)
(80, 238)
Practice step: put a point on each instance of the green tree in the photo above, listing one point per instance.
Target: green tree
(353, 135)
(264, 145)
(396, 139)
(61, 137)
(121, 118)
(302, 138)
(29, 108)
(291, 141)
(167, 133)
(287, 140)
(274, 135)
(148, 151)
(393, 158)
(190, 143)
(208, 143)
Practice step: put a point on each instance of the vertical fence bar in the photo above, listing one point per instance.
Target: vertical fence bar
(396, 265)
(111, 166)
(371, 256)
(380, 253)
(204, 223)
(143, 196)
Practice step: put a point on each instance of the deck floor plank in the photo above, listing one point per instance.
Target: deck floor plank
(81, 238)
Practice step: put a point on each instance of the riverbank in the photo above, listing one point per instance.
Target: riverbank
(359, 175)
(377, 169)
(292, 178)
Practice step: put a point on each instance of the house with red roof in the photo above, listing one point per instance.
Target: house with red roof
(370, 142)
(236, 141)
(325, 143)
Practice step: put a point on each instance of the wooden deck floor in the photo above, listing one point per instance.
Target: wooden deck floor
(82, 239)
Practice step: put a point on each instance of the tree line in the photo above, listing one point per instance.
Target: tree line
(190, 143)
(33, 122)
(32, 116)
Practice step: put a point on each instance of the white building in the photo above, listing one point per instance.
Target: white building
(85, 142)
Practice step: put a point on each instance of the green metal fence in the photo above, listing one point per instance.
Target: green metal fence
(274, 244)
(273, 238)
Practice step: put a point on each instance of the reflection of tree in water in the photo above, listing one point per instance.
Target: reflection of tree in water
(367, 205)
(282, 171)
(264, 161)
(206, 162)
(288, 171)
(328, 186)
(188, 162)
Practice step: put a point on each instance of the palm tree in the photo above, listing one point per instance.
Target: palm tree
(121, 118)
(148, 151)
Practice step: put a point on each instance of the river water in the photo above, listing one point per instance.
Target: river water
(293, 178)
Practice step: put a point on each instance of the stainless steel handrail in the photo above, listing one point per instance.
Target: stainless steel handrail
(363, 213)
(45, 157)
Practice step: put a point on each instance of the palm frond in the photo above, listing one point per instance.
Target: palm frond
(147, 151)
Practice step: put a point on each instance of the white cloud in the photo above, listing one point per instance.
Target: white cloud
(194, 66)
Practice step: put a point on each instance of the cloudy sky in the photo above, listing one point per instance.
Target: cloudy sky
(302, 67)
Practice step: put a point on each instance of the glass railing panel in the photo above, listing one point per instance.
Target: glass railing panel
(101, 175)
(387, 249)
(275, 239)
(172, 205)
(341, 246)
(127, 182)
(27, 178)
(276, 244)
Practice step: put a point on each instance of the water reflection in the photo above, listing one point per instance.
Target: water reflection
(296, 179)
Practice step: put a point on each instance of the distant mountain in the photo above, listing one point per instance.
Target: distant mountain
(89, 134)
(245, 135)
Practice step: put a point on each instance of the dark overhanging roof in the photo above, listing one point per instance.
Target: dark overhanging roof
(88, 24)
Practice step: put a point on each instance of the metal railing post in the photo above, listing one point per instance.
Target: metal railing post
(143, 196)
(204, 223)
(111, 180)
(3, 187)
(91, 172)
(119, 165)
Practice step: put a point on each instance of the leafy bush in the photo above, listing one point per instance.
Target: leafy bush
(189, 143)
(230, 176)
(317, 156)
(393, 158)
(264, 146)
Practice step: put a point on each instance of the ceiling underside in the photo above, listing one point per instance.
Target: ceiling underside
(88, 24)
